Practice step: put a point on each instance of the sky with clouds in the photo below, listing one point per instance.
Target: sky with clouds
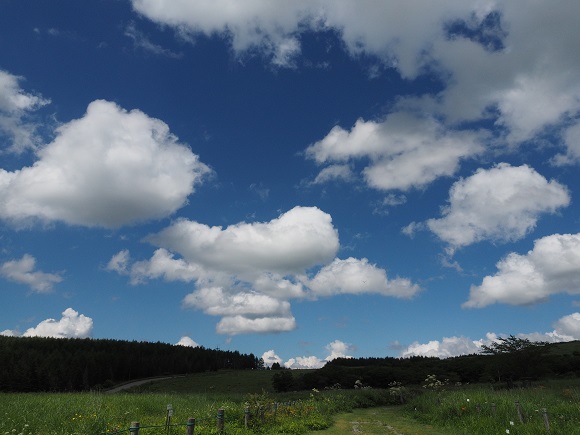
(298, 180)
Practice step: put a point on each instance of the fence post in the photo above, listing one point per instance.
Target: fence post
(220, 420)
(246, 416)
(134, 427)
(546, 419)
(519, 409)
(493, 408)
(190, 426)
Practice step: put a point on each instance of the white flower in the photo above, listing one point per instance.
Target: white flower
(507, 431)
(511, 423)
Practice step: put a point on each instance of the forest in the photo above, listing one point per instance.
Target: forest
(508, 363)
(29, 364)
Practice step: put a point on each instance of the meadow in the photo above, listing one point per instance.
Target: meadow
(444, 409)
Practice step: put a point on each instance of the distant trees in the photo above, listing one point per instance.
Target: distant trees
(63, 364)
(516, 358)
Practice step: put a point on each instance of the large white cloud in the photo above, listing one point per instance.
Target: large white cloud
(109, 168)
(403, 151)
(248, 273)
(501, 204)
(552, 267)
(495, 59)
(15, 106)
(298, 239)
(70, 325)
(24, 271)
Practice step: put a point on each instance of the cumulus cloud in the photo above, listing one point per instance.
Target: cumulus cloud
(336, 349)
(551, 267)
(500, 204)
(109, 168)
(70, 325)
(16, 105)
(270, 358)
(403, 152)
(23, 272)
(354, 276)
(187, 342)
(571, 139)
(566, 329)
(248, 273)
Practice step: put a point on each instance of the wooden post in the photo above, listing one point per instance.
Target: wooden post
(546, 419)
(220, 420)
(190, 426)
(246, 416)
(519, 409)
(134, 427)
(493, 408)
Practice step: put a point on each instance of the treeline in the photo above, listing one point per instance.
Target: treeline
(506, 369)
(30, 364)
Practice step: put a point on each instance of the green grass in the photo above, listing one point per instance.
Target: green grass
(462, 410)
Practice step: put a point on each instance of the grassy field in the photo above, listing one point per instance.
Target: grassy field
(451, 410)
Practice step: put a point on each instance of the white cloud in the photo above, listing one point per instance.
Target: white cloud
(70, 325)
(187, 342)
(15, 106)
(403, 152)
(270, 358)
(354, 276)
(336, 349)
(107, 169)
(552, 267)
(500, 204)
(516, 67)
(298, 239)
(23, 272)
(243, 325)
(448, 347)
(571, 138)
(247, 273)
(569, 326)
(565, 329)
(333, 173)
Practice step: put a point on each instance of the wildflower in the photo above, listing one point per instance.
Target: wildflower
(511, 423)
(467, 400)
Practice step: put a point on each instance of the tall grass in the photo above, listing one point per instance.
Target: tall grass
(97, 413)
(481, 410)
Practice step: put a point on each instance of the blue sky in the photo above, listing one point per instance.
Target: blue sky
(299, 180)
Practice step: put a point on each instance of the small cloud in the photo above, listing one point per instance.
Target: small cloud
(23, 272)
(262, 191)
(187, 342)
(71, 325)
(141, 41)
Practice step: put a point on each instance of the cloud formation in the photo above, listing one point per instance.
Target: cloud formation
(552, 267)
(566, 328)
(187, 342)
(335, 349)
(70, 325)
(248, 273)
(107, 169)
(23, 272)
(16, 105)
(403, 152)
(499, 204)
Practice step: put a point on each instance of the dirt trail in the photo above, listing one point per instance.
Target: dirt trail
(135, 384)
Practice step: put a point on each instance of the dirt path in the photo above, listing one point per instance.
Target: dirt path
(374, 421)
(135, 384)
